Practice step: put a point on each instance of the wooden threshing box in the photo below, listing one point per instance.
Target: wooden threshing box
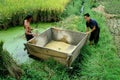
(62, 45)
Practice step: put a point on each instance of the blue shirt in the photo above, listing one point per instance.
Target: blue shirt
(92, 24)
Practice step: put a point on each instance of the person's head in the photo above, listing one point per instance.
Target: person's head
(87, 17)
(29, 18)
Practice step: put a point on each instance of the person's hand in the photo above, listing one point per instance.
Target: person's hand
(32, 29)
(35, 34)
(87, 32)
(58, 29)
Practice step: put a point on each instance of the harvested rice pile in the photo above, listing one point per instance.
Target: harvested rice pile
(60, 46)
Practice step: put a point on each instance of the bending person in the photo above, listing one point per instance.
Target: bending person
(95, 30)
(28, 31)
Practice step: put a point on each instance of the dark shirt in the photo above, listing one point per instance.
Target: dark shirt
(92, 24)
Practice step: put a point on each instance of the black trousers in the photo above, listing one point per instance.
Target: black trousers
(95, 36)
(28, 37)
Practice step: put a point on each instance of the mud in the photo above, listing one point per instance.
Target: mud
(101, 9)
(114, 27)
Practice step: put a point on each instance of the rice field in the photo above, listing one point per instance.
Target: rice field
(94, 63)
(12, 12)
(112, 6)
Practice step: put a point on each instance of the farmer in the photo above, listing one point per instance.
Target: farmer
(28, 30)
(95, 30)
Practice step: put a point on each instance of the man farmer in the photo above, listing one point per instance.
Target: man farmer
(28, 31)
(95, 30)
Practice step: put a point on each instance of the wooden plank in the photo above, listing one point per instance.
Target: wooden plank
(70, 37)
(77, 50)
(40, 50)
(45, 57)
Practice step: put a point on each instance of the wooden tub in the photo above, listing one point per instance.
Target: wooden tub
(74, 40)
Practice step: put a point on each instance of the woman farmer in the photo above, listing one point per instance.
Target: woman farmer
(28, 31)
(95, 30)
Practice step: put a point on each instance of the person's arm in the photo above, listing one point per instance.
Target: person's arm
(93, 23)
(91, 30)
(87, 29)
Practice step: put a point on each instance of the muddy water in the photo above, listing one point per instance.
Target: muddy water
(14, 42)
(16, 48)
(114, 27)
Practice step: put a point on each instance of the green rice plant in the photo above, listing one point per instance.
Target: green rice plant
(12, 13)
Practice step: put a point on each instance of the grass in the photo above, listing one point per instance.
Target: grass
(98, 63)
(93, 63)
(72, 8)
(101, 62)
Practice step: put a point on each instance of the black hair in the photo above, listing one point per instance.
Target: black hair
(87, 14)
(28, 16)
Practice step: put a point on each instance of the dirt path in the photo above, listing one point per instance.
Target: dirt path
(114, 27)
